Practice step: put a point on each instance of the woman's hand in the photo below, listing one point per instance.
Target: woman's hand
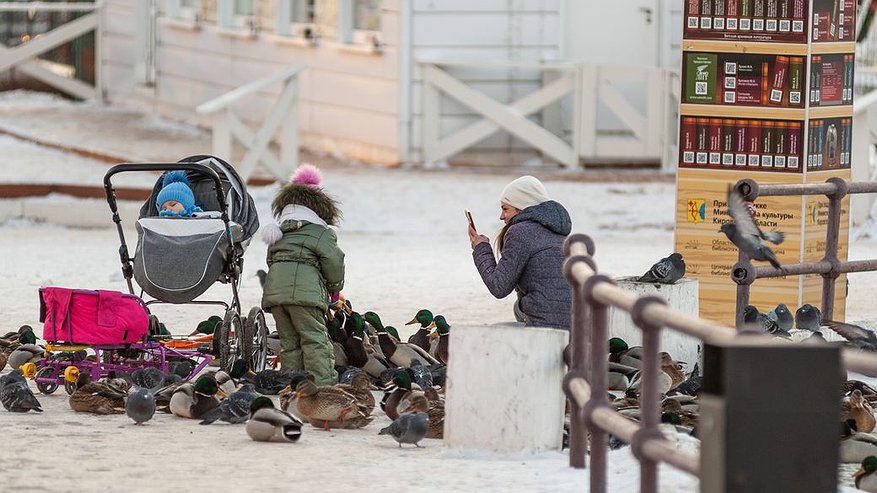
(475, 238)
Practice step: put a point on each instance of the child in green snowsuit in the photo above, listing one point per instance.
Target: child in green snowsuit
(305, 274)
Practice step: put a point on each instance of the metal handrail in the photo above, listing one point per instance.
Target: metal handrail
(586, 384)
(830, 266)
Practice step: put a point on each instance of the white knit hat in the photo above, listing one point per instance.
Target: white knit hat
(524, 192)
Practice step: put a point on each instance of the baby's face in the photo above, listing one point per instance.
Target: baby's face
(172, 205)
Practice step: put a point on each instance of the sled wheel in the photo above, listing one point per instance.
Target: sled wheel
(47, 387)
(256, 340)
(69, 387)
(226, 339)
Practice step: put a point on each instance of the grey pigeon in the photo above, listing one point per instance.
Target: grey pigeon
(857, 337)
(766, 321)
(15, 395)
(234, 409)
(140, 404)
(808, 317)
(668, 270)
(150, 377)
(408, 428)
(782, 316)
(422, 375)
(745, 234)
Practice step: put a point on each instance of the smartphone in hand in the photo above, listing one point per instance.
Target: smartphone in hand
(469, 217)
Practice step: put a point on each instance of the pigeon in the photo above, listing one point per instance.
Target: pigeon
(267, 423)
(808, 317)
(150, 377)
(745, 233)
(668, 270)
(769, 322)
(235, 409)
(421, 374)
(856, 336)
(140, 404)
(15, 396)
(782, 316)
(408, 428)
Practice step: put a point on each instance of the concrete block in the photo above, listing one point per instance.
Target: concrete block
(504, 388)
(682, 296)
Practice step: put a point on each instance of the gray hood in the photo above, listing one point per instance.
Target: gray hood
(550, 214)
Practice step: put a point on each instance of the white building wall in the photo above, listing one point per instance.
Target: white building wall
(484, 31)
(349, 96)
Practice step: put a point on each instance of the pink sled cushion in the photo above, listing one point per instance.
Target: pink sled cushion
(83, 316)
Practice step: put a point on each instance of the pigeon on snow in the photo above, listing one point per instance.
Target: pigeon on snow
(668, 270)
(745, 234)
(140, 405)
(408, 428)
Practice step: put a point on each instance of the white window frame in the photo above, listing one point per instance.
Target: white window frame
(230, 19)
(347, 34)
(179, 12)
(288, 27)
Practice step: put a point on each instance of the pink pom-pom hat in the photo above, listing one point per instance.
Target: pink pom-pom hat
(307, 174)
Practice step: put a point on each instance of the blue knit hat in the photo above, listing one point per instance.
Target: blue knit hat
(176, 187)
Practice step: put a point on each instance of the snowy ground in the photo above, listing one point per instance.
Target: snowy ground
(405, 238)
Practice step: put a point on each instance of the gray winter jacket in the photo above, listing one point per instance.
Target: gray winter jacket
(531, 263)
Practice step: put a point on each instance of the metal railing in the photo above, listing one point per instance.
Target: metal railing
(586, 383)
(283, 116)
(830, 267)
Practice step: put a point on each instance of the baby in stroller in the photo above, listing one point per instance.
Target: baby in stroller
(176, 197)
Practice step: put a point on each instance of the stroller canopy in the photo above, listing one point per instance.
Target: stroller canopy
(241, 208)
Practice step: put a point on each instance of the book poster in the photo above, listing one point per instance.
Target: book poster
(747, 20)
(744, 80)
(830, 143)
(741, 144)
(831, 79)
(833, 20)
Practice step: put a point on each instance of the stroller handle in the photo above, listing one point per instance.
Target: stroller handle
(198, 167)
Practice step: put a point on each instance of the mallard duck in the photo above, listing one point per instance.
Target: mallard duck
(269, 424)
(421, 337)
(10, 342)
(27, 352)
(192, 400)
(854, 447)
(95, 397)
(865, 478)
(397, 353)
(336, 325)
(856, 407)
(360, 387)
(673, 369)
(325, 406)
(443, 329)
(867, 391)
(434, 408)
(620, 376)
(401, 388)
(354, 346)
(619, 352)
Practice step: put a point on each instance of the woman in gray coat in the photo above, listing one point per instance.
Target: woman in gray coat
(530, 248)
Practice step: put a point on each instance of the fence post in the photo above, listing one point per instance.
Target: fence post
(829, 279)
(289, 129)
(222, 135)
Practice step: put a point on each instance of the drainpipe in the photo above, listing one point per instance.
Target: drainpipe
(406, 54)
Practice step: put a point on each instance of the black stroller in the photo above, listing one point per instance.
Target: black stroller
(210, 245)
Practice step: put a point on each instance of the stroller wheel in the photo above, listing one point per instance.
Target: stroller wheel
(255, 343)
(227, 339)
(47, 387)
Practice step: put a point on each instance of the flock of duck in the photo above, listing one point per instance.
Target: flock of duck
(680, 406)
(369, 356)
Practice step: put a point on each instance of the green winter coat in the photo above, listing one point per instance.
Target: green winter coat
(304, 266)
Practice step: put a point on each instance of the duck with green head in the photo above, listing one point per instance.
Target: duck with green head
(421, 337)
(443, 329)
(401, 389)
(354, 346)
(27, 351)
(397, 353)
(620, 352)
(191, 400)
(269, 424)
(865, 478)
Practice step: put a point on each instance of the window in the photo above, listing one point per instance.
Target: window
(296, 18)
(367, 15)
(359, 22)
(185, 10)
(238, 14)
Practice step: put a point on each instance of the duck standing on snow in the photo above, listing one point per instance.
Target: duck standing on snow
(441, 349)
(397, 353)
